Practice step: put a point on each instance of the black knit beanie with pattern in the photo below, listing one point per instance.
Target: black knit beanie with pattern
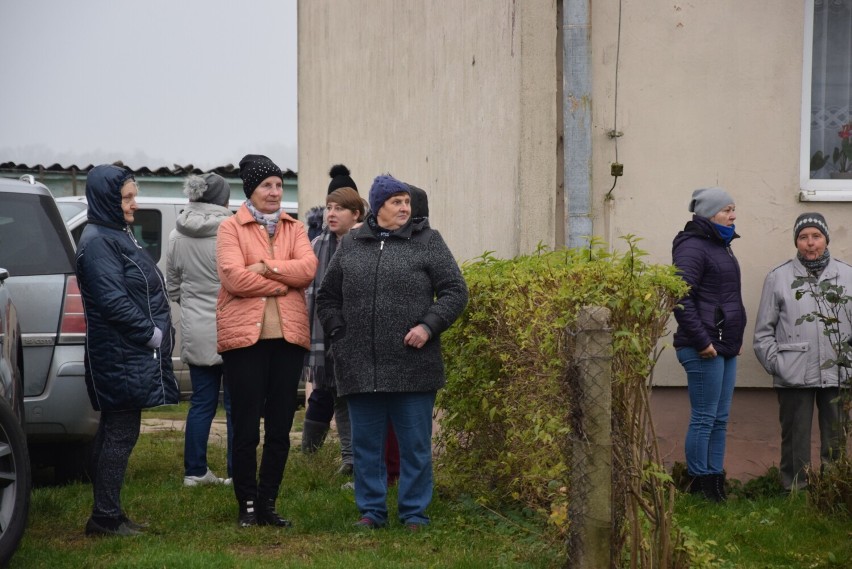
(255, 168)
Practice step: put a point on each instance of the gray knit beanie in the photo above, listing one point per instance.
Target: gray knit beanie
(207, 188)
(707, 202)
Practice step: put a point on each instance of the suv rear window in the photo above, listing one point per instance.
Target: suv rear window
(33, 238)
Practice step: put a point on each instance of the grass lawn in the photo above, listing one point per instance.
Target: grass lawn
(196, 527)
(775, 532)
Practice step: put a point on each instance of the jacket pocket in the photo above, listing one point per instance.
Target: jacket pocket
(790, 364)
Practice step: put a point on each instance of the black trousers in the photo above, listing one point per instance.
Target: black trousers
(263, 380)
(117, 434)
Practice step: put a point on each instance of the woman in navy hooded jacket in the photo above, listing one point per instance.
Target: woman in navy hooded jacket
(129, 338)
(711, 320)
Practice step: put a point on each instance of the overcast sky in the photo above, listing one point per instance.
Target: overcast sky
(152, 82)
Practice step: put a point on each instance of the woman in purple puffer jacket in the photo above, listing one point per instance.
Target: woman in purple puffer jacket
(711, 319)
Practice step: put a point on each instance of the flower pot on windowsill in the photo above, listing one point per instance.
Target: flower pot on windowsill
(841, 175)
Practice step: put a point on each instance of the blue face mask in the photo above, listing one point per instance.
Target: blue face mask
(725, 232)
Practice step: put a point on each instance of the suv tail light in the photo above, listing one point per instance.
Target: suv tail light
(72, 327)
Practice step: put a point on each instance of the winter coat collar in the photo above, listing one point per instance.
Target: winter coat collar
(414, 225)
(201, 219)
(703, 228)
(831, 270)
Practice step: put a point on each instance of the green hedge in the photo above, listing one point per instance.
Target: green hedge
(506, 410)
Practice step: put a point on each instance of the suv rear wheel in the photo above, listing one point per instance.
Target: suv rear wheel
(15, 482)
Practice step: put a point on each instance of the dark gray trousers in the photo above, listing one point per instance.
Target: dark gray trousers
(117, 434)
(796, 412)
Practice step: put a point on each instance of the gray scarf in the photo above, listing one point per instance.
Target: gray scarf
(816, 266)
(268, 220)
(314, 370)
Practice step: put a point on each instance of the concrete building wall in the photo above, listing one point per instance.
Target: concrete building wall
(455, 96)
(460, 98)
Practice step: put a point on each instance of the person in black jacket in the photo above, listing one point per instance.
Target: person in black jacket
(403, 288)
(129, 338)
(711, 320)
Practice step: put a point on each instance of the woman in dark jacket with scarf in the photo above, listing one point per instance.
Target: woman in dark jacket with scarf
(391, 289)
(711, 320)
(344, 209)
(129, 338)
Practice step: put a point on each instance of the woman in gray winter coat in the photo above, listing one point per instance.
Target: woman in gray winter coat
(193, 283)
(129, 338)
(794, 353)
(391, 289)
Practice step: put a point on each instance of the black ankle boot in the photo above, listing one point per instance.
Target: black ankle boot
(248, 514)
(719, 482)
(708, 488)
(267, 516)
(694, 484)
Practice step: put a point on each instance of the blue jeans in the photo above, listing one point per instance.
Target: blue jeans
(203, 403)
(711, 388)
(411, 415)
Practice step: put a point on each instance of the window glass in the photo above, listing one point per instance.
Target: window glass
(33, 238)
(70, 209)
(147, 228)
(830, 142)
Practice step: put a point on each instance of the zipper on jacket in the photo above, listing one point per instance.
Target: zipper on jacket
(375, 287)
(132, 236)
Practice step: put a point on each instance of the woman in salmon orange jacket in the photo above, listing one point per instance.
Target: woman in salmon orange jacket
(265, 262)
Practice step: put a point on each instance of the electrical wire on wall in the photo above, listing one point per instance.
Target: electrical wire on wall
(616, 168)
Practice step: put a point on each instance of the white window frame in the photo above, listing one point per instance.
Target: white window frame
(814, 190)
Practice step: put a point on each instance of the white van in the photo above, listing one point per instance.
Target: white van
(153, 222)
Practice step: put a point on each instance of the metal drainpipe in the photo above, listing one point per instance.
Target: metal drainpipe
(577, 120)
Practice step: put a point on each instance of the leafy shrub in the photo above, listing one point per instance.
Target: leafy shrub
(830, 487)
(507, 408)
(767, 486)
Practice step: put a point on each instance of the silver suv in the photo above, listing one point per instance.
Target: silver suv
(14, 460)
(37, 250)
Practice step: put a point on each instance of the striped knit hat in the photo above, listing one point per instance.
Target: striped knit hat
(810, 219)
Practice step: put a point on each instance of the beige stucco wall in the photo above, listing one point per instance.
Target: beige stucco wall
(709, 93)
(455, 96)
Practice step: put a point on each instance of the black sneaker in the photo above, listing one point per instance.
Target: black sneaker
(248, 514)
(138, 526)
(94, 528)
(267, 516)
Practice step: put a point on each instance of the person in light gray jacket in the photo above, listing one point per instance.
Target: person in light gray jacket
(794, 354)
(192, 282)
